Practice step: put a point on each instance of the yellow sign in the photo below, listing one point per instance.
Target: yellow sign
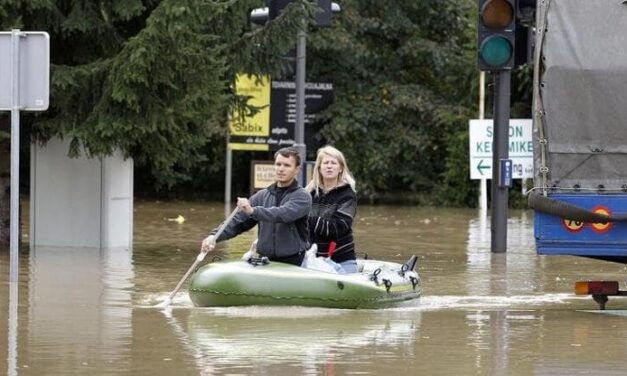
(573, 226)
(602, 227)
(263, 174)
(250, 132)
(245, 146)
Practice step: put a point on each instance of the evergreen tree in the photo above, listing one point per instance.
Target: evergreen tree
(154, 78)
(150, 78)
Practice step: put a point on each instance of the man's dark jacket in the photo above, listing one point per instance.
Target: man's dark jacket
(282, 225)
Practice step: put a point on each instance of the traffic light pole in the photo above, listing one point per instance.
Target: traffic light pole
(299, 131)
(502, 80)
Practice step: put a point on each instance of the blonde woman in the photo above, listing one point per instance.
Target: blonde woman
(334, 205)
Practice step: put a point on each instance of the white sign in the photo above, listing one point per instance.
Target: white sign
(520, 148)
(34, 68)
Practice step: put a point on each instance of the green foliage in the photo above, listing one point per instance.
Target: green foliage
(457, 189)
(154, 78)
(155, 95)
(400, 73)
(262, 50)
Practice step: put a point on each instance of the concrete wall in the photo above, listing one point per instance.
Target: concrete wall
(80, 202)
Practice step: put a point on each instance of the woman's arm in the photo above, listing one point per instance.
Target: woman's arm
(339, 224)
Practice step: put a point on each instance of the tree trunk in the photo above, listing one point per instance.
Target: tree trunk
(5, 183)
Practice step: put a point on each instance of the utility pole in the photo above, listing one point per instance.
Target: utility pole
(501, 164)
(495, 49)
(299, 131)
(323, 18)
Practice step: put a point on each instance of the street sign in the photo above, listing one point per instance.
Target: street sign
(505, 173)
(273, 127)
(24, 81)
(318, 96)
(34, 81)
(250, 132)
(520, 148)
(263, 174)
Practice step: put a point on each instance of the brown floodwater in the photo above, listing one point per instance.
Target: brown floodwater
(91, 311)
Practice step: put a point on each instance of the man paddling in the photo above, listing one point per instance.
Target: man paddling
(280, 211)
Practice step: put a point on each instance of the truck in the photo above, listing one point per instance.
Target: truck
(580, 134)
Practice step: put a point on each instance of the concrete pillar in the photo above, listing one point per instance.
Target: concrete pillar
(80, 202)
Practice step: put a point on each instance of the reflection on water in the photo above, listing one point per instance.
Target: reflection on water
(79, 299)
(90, 311)
(226, 340)
(494, 274)
(12, 330)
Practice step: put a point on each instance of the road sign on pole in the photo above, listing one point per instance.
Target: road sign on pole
(24, 86)
(34, 70)
(520, 148)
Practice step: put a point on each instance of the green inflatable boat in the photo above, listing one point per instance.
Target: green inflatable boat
(260, 282)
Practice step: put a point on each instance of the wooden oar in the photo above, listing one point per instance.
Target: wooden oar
(199, 258)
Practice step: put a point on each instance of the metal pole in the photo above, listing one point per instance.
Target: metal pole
(227, 179)
(299, 131)
(15, 157)
(483, 198)
(228, 173)
(500, 151)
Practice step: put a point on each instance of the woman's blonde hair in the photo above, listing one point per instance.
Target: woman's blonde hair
(345, 176)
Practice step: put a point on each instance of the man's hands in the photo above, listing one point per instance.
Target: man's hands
(244, 205)
(208, 244)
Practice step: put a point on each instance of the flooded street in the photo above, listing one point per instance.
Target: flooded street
(89, 311)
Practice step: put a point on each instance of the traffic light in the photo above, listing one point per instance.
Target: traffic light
(496, 34)
(525, 31)
(276, 7)
(525, 44)
(260, 16)
(323, 17)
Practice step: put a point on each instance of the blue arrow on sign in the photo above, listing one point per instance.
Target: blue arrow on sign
(481, 166)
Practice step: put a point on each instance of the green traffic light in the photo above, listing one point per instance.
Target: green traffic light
(496, 51)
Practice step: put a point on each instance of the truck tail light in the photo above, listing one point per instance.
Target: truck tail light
(596, 288)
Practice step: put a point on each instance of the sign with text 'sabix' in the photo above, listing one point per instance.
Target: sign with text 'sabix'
(272, 126)
(520, 148)
(250, 131)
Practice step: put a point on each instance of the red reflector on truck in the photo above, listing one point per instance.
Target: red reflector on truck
(596, 288)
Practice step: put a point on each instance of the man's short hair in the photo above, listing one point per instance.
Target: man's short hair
(287, 152)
